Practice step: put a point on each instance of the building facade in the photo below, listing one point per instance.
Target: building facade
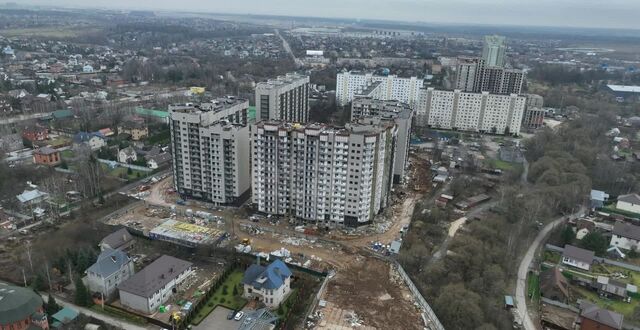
(494, 50)
(474, 75)
(332, 176)
(21, 308)
(475, 112)
(154, 285)
(110, 269)
(352, 83)
(284, 98)
(401, 114)
(468, 73)
(46, 156)
(210, 148)
(269, 285)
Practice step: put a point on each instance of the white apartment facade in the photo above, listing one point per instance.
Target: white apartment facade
(284, 98)
(352, 83)
(474, 112)
(210, 149)
(332, 176)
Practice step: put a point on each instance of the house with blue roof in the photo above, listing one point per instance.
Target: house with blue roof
(63, 317)
(270, 285)
(112, 268)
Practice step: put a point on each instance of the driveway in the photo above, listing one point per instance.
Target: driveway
(218, 320)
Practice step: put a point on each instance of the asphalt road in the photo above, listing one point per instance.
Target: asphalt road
(523, 270)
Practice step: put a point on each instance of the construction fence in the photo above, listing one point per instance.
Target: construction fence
(430, 318)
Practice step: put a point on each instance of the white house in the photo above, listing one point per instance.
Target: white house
(577, 257)
(155, 284)
(127, 155)
(87, 69)
(95, 141)
(629, 203)
(112, 268)
(270, 284)
(626, 236)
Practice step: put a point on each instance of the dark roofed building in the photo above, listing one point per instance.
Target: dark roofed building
(593, 317)
(554, 285)
(20, 308)
(153, 286)
(577, 257)
(118, 240)
(626, 236)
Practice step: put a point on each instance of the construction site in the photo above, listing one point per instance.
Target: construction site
(364, 289)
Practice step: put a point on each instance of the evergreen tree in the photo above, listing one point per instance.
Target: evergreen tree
(82, 297)
(52, 306)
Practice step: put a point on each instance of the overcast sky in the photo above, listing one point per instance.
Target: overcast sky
(578, 13)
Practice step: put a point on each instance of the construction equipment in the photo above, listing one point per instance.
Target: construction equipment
(246, 241)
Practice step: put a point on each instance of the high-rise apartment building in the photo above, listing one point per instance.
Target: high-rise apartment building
(210, 145)
(328, 175)
(534, 114)
(493, 50)
(472, 75)
(391, 87)
(399, 113)
(284, 98)
(475, 112)
(469, 73)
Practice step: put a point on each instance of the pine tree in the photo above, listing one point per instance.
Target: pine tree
(52, 306)
(82, 297)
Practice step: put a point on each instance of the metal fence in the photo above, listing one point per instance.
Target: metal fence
(431, 318)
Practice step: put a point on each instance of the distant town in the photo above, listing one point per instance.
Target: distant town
(204, 171)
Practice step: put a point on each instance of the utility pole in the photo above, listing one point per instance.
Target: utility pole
(28, 247)
(46, 265)
(24, 278)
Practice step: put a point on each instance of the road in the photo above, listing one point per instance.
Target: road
(286, 46)
(104, 318)
(523, 270)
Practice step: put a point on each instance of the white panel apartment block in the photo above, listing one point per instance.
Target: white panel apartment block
(352, 83)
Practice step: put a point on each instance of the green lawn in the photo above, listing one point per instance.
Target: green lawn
(120, 314)
(612, 209)
(615, 305)
(228, 299)
(502, 165)
(552, 257)
(122, 172)
(533, 287)
(67, 154)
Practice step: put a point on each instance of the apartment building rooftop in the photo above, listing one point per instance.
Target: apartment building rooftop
(372, 126)
(282, 80)
(213, 105)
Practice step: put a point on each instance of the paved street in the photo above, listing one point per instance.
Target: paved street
(523, 270)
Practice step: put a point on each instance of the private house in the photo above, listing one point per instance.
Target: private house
(598, 198)
(612, 288)
(269, 285)
(554, 285)
(155, 161)
(46, 156)
(625, 236)
(137, 130)
(112, 268)
(577, 257)
(32, 197)
(118, 240)
(35, 133)
(95, 141)
(629, 203)
(21, 308)
(593, 317)
(154, 285)
(127, 155)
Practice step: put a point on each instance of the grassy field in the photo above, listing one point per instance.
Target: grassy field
(52, 32)
(224, 297)
(618, 306)
(502, 165)
(533, 287)
(67, 154)
(110, 311)
(122, 172)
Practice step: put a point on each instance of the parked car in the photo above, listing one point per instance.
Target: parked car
(239, 316)
(231, 315)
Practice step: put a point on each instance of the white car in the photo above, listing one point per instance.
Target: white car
(239, 316)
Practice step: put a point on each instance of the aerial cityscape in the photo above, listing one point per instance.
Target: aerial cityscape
(346, 165)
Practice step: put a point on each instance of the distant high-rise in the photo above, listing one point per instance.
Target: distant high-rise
(472, 75)
(391, 87)
(469, 74)
(493, 51)
(285, 98)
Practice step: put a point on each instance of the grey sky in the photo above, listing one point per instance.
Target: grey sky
(579, 13)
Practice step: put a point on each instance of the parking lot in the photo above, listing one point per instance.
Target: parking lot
(218, 320)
